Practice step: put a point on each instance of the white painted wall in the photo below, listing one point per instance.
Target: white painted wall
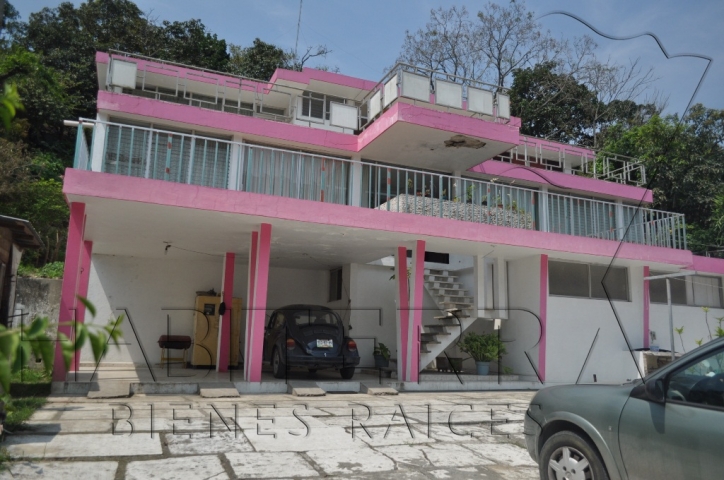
(521, 330)
(693, 319)
(572, 325)
(372, 295)
(145, 286)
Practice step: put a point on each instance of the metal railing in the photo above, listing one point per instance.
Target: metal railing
(201, 160)
(450, 90)
(231, 93)
(437, 195)
(600, 165)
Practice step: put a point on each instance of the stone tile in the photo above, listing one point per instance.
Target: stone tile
(202, 443)
(406, 454)
(82, 445)
(76, 426)
(60, 470)
(206, 467)
(327, 438)
(503, 453)
(270, 465)
(443, 455)
(351, 461)
(391, 435)
(454, 433)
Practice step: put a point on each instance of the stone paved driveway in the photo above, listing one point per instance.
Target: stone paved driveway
(408, 436)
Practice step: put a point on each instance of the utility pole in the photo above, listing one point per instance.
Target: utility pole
(299, 23)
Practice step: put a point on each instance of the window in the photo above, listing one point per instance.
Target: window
(587, 281)
(335, 284)
(316, 105)
(706, 291)
(699, 383)
(657, 290)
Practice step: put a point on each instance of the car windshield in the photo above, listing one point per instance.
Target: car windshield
(314, 317)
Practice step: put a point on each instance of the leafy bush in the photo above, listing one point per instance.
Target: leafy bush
(49, 270)
(483, 348)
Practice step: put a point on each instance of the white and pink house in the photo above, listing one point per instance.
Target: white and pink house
(391, 202)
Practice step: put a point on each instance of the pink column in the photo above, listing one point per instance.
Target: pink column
(543, 316)
(73, 249)
(415, 327)
(409, 311)
(85, 267)
(403, 311)
(253, 249)
(647, 303)
(227, 296)
(257, 312)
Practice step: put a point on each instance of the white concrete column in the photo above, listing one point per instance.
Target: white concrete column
(99, 141)
(236, 173)
(355, 181)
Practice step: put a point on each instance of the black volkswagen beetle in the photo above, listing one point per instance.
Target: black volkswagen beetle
(310, 336)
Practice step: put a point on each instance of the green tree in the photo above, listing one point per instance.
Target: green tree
(189, 42)
(67, 39)
(258, 61)
(46, 98)
(551, 105)
(685, 166)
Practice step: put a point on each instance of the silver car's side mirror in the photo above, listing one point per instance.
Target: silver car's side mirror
(655, 391)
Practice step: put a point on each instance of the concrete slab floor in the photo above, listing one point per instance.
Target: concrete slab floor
(408, 436)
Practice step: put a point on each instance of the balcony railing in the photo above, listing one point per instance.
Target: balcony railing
(438, 88)
(212, 162)
(559, 157)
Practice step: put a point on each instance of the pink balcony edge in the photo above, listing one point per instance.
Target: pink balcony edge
(564, 180)
(79, 183)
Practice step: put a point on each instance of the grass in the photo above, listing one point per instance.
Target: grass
(49, 270)
(19, 410)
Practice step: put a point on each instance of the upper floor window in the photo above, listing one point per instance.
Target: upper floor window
(316, 105)
(587, 281)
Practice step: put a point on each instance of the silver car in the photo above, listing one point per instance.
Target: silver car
(668, 425)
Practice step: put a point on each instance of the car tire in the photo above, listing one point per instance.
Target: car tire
(562, 454)
(347, 372)
(279, 368)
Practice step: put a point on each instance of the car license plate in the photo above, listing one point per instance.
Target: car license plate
(324, 343)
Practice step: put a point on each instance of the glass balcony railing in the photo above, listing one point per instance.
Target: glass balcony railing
(212, 162)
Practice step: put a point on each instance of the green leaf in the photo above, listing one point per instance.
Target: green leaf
(36, 326)
(22, 358)
(47, 351)
(98, 343)
(81, 335)
(5, 375)
(88, 305)
(9, 345)
(66, 347)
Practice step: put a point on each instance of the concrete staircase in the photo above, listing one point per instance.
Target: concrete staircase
(458, 313)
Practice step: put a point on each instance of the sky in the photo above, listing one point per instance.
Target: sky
(365, 36)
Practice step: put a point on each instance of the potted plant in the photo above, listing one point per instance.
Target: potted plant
(483, 349)
(382, 356)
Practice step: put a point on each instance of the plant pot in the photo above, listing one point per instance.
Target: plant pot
(381, 361)
(482, 368)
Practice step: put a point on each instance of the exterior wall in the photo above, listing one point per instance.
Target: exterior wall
(521, 330)
(693, 319)
(572, 326)
(145, 286)
(373, 309)
(39, 297)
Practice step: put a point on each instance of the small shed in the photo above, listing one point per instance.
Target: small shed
(16, 235)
